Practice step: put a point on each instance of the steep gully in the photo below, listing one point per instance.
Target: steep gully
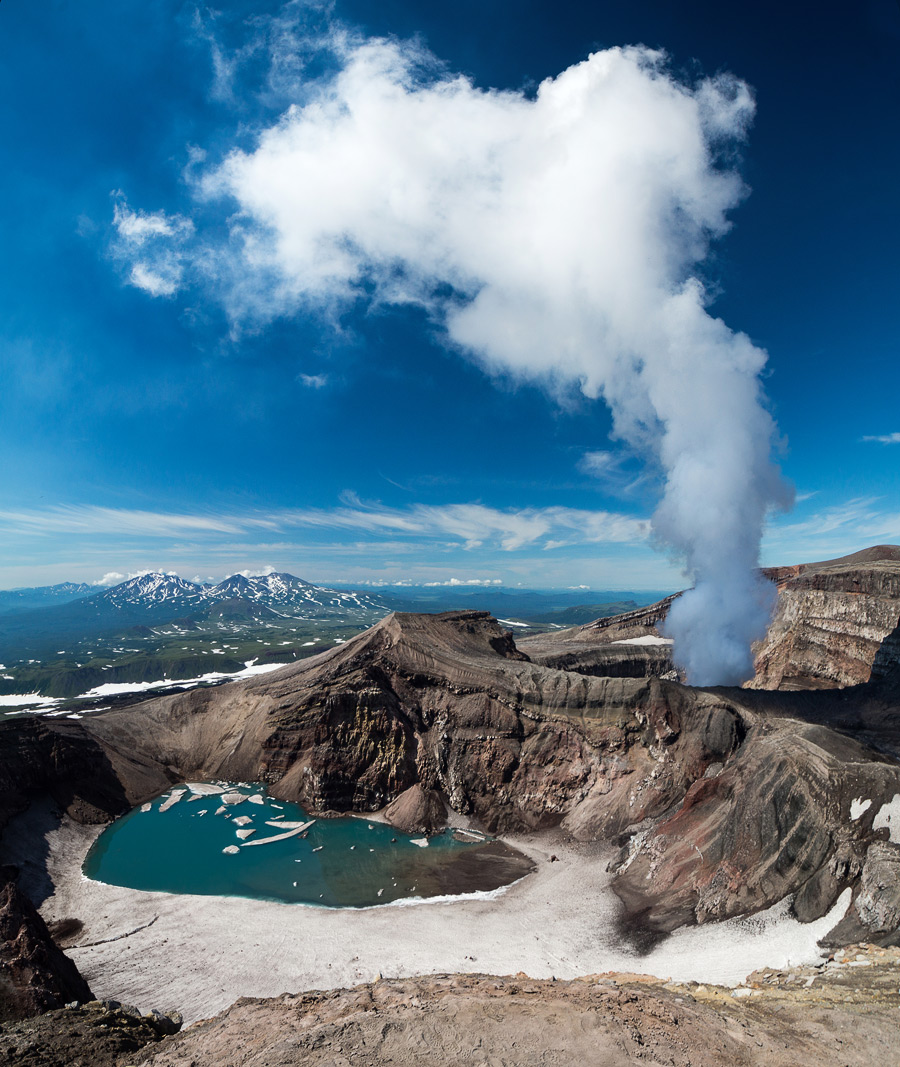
(722, 800)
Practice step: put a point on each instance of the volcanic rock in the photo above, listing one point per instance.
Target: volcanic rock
(843, 1017)
(630, 645)
(724, 801)
(878, 903)
(417, 810)
(95, 1034)
(835, 624)
(831, 622)
(35, 975)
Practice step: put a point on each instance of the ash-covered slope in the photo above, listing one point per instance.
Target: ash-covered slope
(844, 1017)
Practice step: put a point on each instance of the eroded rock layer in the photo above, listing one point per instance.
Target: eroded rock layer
(630, 645)
(835, 624)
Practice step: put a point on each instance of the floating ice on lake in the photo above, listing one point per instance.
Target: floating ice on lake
(174, 797)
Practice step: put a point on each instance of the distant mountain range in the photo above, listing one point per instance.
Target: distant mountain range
(41, 623)
(12, 600)
(284, 594)
(33, 620)
(64, 640)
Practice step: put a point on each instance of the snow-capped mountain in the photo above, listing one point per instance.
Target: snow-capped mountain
(157, 602)
(284, 594)
(289, 595)
(265, 589)
(150, 590)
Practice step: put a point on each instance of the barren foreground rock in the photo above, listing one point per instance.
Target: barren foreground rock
(845, 1013)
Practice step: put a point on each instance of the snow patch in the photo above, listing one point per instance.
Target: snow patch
(888, 818)
(725, 952)
(647, 639)
(858, 808)
(114, 688)
(17, 699)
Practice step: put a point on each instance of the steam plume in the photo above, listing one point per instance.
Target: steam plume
(554, 237)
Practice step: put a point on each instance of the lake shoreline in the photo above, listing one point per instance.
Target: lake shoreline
(198, 954)
(204, 839)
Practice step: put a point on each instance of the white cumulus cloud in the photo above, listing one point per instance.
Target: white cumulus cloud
(554, 236)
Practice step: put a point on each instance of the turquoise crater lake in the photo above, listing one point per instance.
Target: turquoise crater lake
(234, 840)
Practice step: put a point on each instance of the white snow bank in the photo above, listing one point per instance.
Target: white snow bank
(113, 688)
(726, 952)
(13, 700)
(647, 639)
(888, 818)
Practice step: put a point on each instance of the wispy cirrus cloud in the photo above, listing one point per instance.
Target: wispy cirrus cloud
(884, 438)
(89, 519)
(468, 526)
(832, 531)
(476, 525)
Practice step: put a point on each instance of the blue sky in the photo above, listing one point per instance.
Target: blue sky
(356, 439)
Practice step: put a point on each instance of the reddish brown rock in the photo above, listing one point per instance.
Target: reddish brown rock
(417, 810)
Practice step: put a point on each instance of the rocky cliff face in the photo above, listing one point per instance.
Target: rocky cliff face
(783, 816)
(35, 976)
(631, 645)
(62, 762)
(831, 622)
(835, 624)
